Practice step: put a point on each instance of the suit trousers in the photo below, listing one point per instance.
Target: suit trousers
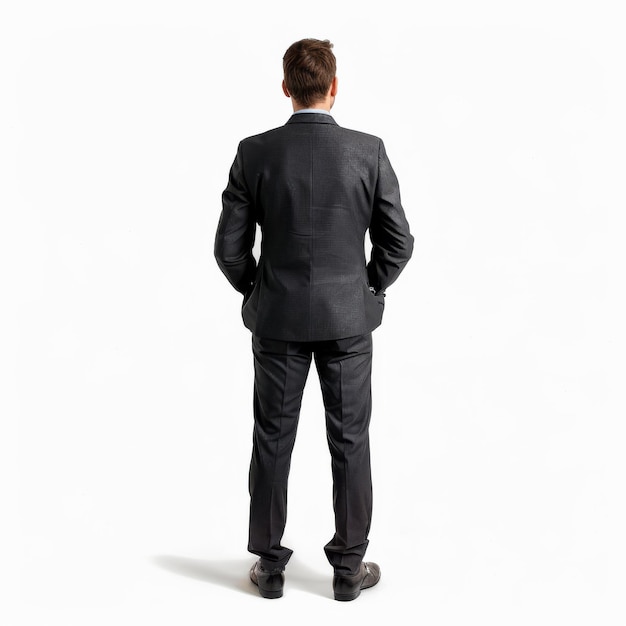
(280, 372)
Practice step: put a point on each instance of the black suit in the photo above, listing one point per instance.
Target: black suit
(315, 189)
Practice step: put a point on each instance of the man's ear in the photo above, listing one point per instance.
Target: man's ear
(285, 91)
(334, 86)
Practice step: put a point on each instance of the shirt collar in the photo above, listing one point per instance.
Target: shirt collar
(312, 111)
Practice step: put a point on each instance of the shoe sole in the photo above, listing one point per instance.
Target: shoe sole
(347, 597)
(270, 594)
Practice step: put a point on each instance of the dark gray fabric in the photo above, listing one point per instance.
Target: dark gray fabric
(280, 371)
(315, 189)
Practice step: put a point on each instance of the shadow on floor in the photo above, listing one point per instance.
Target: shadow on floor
(233, 574)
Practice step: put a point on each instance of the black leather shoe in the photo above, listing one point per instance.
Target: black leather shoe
(349, 587)
(269, 582)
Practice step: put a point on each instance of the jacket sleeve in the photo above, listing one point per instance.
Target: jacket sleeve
(236, 230)
(392, 242)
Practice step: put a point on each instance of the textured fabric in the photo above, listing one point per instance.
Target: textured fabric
(315, 189)
(344, 370)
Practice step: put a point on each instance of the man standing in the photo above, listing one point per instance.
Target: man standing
(315, 189)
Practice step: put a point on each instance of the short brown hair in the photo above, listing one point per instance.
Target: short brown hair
(309, 66)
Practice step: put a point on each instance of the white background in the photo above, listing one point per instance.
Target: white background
(126, 381)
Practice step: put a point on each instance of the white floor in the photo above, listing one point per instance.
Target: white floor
(193, 588)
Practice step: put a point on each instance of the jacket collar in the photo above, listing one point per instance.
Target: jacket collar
(311, 118)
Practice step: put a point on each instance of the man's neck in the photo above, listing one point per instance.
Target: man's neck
(322, 107)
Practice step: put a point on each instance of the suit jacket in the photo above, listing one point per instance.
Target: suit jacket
(315, 189)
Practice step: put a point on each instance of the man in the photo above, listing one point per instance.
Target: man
(315, 189)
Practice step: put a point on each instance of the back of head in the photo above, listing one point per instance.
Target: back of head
(309, 67)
